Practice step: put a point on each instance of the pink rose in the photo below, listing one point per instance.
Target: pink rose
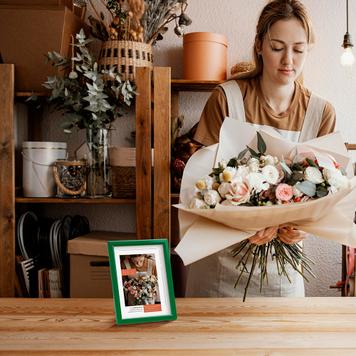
(284, 192)
(239, 193)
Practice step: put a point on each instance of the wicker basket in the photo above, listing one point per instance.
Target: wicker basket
(123, 182)
(125, 56)
(123, 171)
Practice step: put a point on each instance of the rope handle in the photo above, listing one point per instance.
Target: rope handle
(65, 189)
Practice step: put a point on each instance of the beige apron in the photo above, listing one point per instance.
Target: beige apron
(215, 275)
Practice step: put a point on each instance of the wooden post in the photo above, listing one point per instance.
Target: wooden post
(162, 152)
(7, 182)
(143, 154)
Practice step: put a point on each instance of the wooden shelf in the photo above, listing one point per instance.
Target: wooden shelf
(91, 201)
(194, 85)
(27, 94)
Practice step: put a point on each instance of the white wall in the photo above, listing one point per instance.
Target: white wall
(323, 74)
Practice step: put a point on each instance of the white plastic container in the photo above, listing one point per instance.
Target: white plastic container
(38, 158)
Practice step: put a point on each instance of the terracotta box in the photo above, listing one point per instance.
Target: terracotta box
(28, 33)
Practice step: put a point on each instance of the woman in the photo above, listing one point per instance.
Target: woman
(271, 96)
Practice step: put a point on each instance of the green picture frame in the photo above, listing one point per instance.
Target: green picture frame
(142, 283)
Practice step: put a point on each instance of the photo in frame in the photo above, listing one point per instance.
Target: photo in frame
(142, 284)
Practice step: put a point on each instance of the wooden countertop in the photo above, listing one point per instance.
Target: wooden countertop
(260, 326)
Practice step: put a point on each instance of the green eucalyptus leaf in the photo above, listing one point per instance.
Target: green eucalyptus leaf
(306, 187)
(261, 145)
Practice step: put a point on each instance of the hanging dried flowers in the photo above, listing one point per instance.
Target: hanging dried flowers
(138, 20)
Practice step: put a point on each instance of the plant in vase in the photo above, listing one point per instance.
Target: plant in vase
(90, 99)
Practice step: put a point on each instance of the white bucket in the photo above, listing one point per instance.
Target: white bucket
(38, 159)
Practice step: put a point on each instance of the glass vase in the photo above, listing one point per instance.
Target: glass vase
(99, 175)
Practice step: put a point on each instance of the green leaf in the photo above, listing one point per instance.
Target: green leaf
(311, 163)
(321, 191)
(253, 152)
(306, 187)
(242, 154)
(233, 162)
(261, 145)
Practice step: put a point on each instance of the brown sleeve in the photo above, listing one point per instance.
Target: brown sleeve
(328, 121)
(212, 117)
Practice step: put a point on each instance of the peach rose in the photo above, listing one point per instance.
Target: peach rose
(239, 193)
(284, 192)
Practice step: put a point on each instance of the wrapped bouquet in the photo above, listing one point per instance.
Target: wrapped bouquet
(272, 182)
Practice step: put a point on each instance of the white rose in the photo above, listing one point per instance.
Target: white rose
(336, 179)
(253, 164)
(257, 182)
(228, 174)
(270, 173)
(211, 197)
(224, 188)
(313, 175)
(197, 203)
(269, 160)
(242, 172)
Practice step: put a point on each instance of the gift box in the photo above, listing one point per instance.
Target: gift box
(27, 33)
(89, 264)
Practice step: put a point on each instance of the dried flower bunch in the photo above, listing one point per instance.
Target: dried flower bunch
(139, 20)
(88, 97)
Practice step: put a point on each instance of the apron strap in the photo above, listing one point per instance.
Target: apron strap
(313, 117)
(235, 102)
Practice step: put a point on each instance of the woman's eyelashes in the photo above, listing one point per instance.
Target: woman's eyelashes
(279, 49)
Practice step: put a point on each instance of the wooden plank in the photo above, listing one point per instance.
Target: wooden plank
(194, 85)
(162, 152)
(205, 326)
(7, 182)
(143, 153)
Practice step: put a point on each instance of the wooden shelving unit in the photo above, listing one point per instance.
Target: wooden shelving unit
(94, 201)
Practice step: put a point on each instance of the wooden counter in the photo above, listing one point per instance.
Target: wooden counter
(260, 326)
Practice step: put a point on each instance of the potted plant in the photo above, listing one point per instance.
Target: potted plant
(90, 99)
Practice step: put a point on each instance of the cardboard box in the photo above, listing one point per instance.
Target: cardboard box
(28, 33)
(89, 264)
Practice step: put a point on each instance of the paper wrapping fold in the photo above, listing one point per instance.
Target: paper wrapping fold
(207, 231)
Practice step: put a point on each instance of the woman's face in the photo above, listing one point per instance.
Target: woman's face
(284, 50)
(138, 260)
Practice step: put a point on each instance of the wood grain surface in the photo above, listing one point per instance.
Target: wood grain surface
(7, 181)
(260, 326)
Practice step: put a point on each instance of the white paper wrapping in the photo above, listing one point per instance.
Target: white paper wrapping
(207, 231)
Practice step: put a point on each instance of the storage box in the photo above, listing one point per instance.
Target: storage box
(89, 264)
(28, 33)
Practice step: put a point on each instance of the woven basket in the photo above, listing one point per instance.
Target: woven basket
(125, 56)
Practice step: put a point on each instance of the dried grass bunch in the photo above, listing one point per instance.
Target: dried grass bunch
(138, 20)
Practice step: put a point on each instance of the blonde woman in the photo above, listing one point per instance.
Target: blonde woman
(270, 95)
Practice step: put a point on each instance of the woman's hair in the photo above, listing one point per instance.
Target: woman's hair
(274, 11)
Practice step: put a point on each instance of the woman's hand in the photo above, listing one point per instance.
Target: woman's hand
(263, 236)
(289, 235)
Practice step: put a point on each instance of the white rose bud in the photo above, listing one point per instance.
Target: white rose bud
(253, 164)
(197, 203)
(212, 197)
(228, 174)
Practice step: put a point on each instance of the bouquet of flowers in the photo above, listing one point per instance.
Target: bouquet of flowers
(143, 288)
(270, 183)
